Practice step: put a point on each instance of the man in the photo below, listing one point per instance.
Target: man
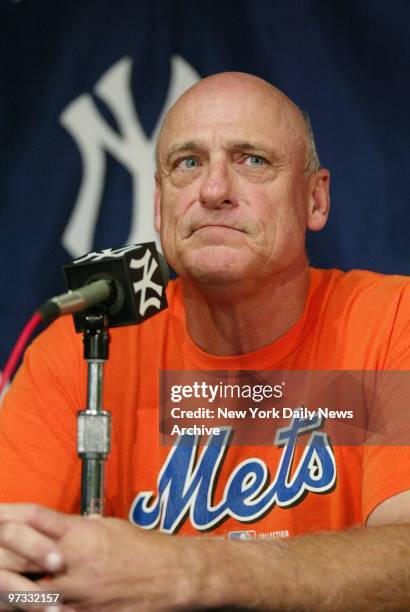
(238, 183)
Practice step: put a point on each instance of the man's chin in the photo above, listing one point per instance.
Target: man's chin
(218, 265)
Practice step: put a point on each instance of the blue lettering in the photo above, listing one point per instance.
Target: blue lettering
(187, 489)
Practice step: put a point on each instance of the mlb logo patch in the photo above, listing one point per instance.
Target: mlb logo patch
(242, 535)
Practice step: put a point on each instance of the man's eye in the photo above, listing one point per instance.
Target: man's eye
(188, 163)
(255, 160)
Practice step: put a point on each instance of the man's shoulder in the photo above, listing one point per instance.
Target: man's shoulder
(365, 284)
(363, 300)
(376, 279)
(364, 316)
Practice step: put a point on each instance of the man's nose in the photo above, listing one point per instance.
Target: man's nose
(216, 186)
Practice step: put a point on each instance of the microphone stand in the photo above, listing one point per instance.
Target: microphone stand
(94, 423)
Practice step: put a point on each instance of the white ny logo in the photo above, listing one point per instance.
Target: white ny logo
(130, 146)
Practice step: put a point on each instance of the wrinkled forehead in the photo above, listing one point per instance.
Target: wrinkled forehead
(232, 109)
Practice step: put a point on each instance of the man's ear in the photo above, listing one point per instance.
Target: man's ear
(319, 199)
(157, 204)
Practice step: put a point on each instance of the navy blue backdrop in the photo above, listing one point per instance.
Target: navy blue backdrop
(83, 88)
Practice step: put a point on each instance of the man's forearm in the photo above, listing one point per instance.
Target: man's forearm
(108, 564)
(360, 569)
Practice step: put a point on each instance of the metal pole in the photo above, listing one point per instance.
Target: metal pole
(94, 423)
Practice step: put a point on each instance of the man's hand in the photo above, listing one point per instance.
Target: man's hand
(25, 549)
(112, 565)
(104, 564)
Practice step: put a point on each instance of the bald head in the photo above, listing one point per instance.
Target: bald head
(234, 86)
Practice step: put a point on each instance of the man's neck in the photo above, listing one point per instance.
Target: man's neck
(239, 320)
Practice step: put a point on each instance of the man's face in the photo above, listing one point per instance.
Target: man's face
(231, 200)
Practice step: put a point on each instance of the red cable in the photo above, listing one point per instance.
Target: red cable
(18, 349)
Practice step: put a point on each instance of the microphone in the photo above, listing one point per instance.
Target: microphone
(128, 282)
(98, 292)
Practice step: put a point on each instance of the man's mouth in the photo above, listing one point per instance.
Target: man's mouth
(215, 226)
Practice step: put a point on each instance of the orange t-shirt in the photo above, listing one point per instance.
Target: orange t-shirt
(351, 321)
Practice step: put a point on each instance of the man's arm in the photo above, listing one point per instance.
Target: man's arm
(112, 565)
